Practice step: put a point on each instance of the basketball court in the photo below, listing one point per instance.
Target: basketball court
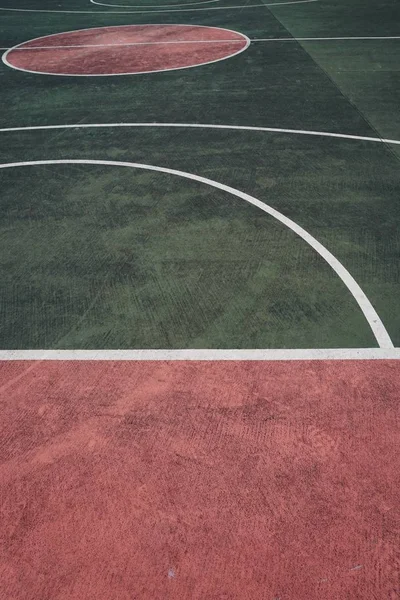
(200, 316)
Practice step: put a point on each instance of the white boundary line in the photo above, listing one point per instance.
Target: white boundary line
(376, 325)
(153, 6)
(344, 136)
(131, 12)
(203, 355)
(20, 47)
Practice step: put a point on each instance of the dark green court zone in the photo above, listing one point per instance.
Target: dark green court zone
(110, 256)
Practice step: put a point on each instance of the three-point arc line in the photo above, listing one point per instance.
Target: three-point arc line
(375, 323)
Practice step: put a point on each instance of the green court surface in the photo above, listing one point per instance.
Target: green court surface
(105, 256)
(199, 299)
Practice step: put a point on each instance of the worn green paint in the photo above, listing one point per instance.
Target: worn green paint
(104, 257)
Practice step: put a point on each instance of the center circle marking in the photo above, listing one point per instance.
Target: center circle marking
(125, 50)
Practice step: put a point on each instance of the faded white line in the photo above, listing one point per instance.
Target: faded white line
(153, 6)
(292, 39)
(204, 354)
(23, 48)
(375, 323)
(130, 12)
(327, 39)
(345, 136)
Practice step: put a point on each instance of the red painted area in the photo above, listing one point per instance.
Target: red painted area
(200, 480)
(126, 50)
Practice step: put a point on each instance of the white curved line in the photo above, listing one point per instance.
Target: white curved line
(376, 325)
(209, 62)
(344, 136)
(125, 12)
(152, 6)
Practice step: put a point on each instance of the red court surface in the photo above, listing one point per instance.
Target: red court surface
(126, 50)
(200, 480)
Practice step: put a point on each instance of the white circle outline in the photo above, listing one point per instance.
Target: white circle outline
(245, 38)
(378, 329)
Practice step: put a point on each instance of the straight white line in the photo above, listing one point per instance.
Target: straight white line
(345, 136)
(132, 12)
(204, 354)
(238, 41)
(326, 39)
(292, 39)
(370, 314)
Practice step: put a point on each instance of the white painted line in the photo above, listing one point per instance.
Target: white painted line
(292, 39)
(153, 6)
(126, 12)
(123, 45)
(344, 136)
(201, 64)
(327, 39)
(204, 354)
(376, 325)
